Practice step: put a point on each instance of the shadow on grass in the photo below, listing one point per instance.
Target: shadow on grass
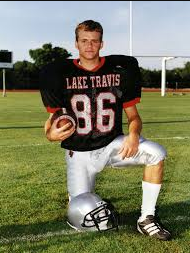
(19, 127)
(174, 217)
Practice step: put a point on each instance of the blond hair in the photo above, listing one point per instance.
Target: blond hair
(89, 25)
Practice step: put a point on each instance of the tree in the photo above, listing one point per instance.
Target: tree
(47, 54)
(150, 78)
(25, 75)
(185, 73)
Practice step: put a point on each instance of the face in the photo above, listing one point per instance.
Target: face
(89, 44)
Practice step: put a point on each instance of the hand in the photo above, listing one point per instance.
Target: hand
(130, 145)
(59, 134)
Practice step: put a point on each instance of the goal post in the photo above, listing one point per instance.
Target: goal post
(164, 60)
(163, 74)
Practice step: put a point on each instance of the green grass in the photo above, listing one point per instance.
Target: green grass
(33, 194)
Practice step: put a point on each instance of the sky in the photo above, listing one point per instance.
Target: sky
(159, 28)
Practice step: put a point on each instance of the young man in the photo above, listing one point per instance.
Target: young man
(97, 89)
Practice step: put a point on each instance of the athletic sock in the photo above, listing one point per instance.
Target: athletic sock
(149, 199)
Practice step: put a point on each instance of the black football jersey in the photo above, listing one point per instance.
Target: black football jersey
(96, 97)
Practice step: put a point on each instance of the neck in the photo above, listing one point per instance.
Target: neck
(89, 64)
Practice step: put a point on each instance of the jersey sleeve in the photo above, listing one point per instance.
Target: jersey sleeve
(132, 89)
(131, 78)
(50, 88)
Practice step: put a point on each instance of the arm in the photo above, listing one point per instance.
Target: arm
(130, 145)
(57, 134)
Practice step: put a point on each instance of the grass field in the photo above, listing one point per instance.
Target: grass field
(33, 195)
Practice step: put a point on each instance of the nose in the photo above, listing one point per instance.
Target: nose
(89, 43)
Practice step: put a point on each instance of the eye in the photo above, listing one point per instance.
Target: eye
(95, 41)
(83, 41)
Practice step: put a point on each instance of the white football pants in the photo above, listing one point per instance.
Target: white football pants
(82, 167)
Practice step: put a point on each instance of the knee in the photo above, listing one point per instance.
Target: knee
(156, 153)
(161, 152)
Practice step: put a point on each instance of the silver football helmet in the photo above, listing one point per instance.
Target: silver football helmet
(89, 212)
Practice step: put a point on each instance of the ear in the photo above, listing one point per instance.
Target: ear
(76, 45)
(101, 45)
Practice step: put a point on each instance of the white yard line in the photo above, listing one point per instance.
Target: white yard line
(38, 237)
(170, 138)
(44, 144)
(25, 145)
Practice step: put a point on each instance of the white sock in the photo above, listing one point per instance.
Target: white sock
(149, 199)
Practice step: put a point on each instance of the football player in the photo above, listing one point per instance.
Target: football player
(97, 90)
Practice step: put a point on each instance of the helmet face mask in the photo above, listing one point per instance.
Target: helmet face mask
(89, 212)
(100, 218)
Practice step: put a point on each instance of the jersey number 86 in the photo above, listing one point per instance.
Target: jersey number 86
(86, 112)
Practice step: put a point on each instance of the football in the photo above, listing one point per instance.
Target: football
(63, 118)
